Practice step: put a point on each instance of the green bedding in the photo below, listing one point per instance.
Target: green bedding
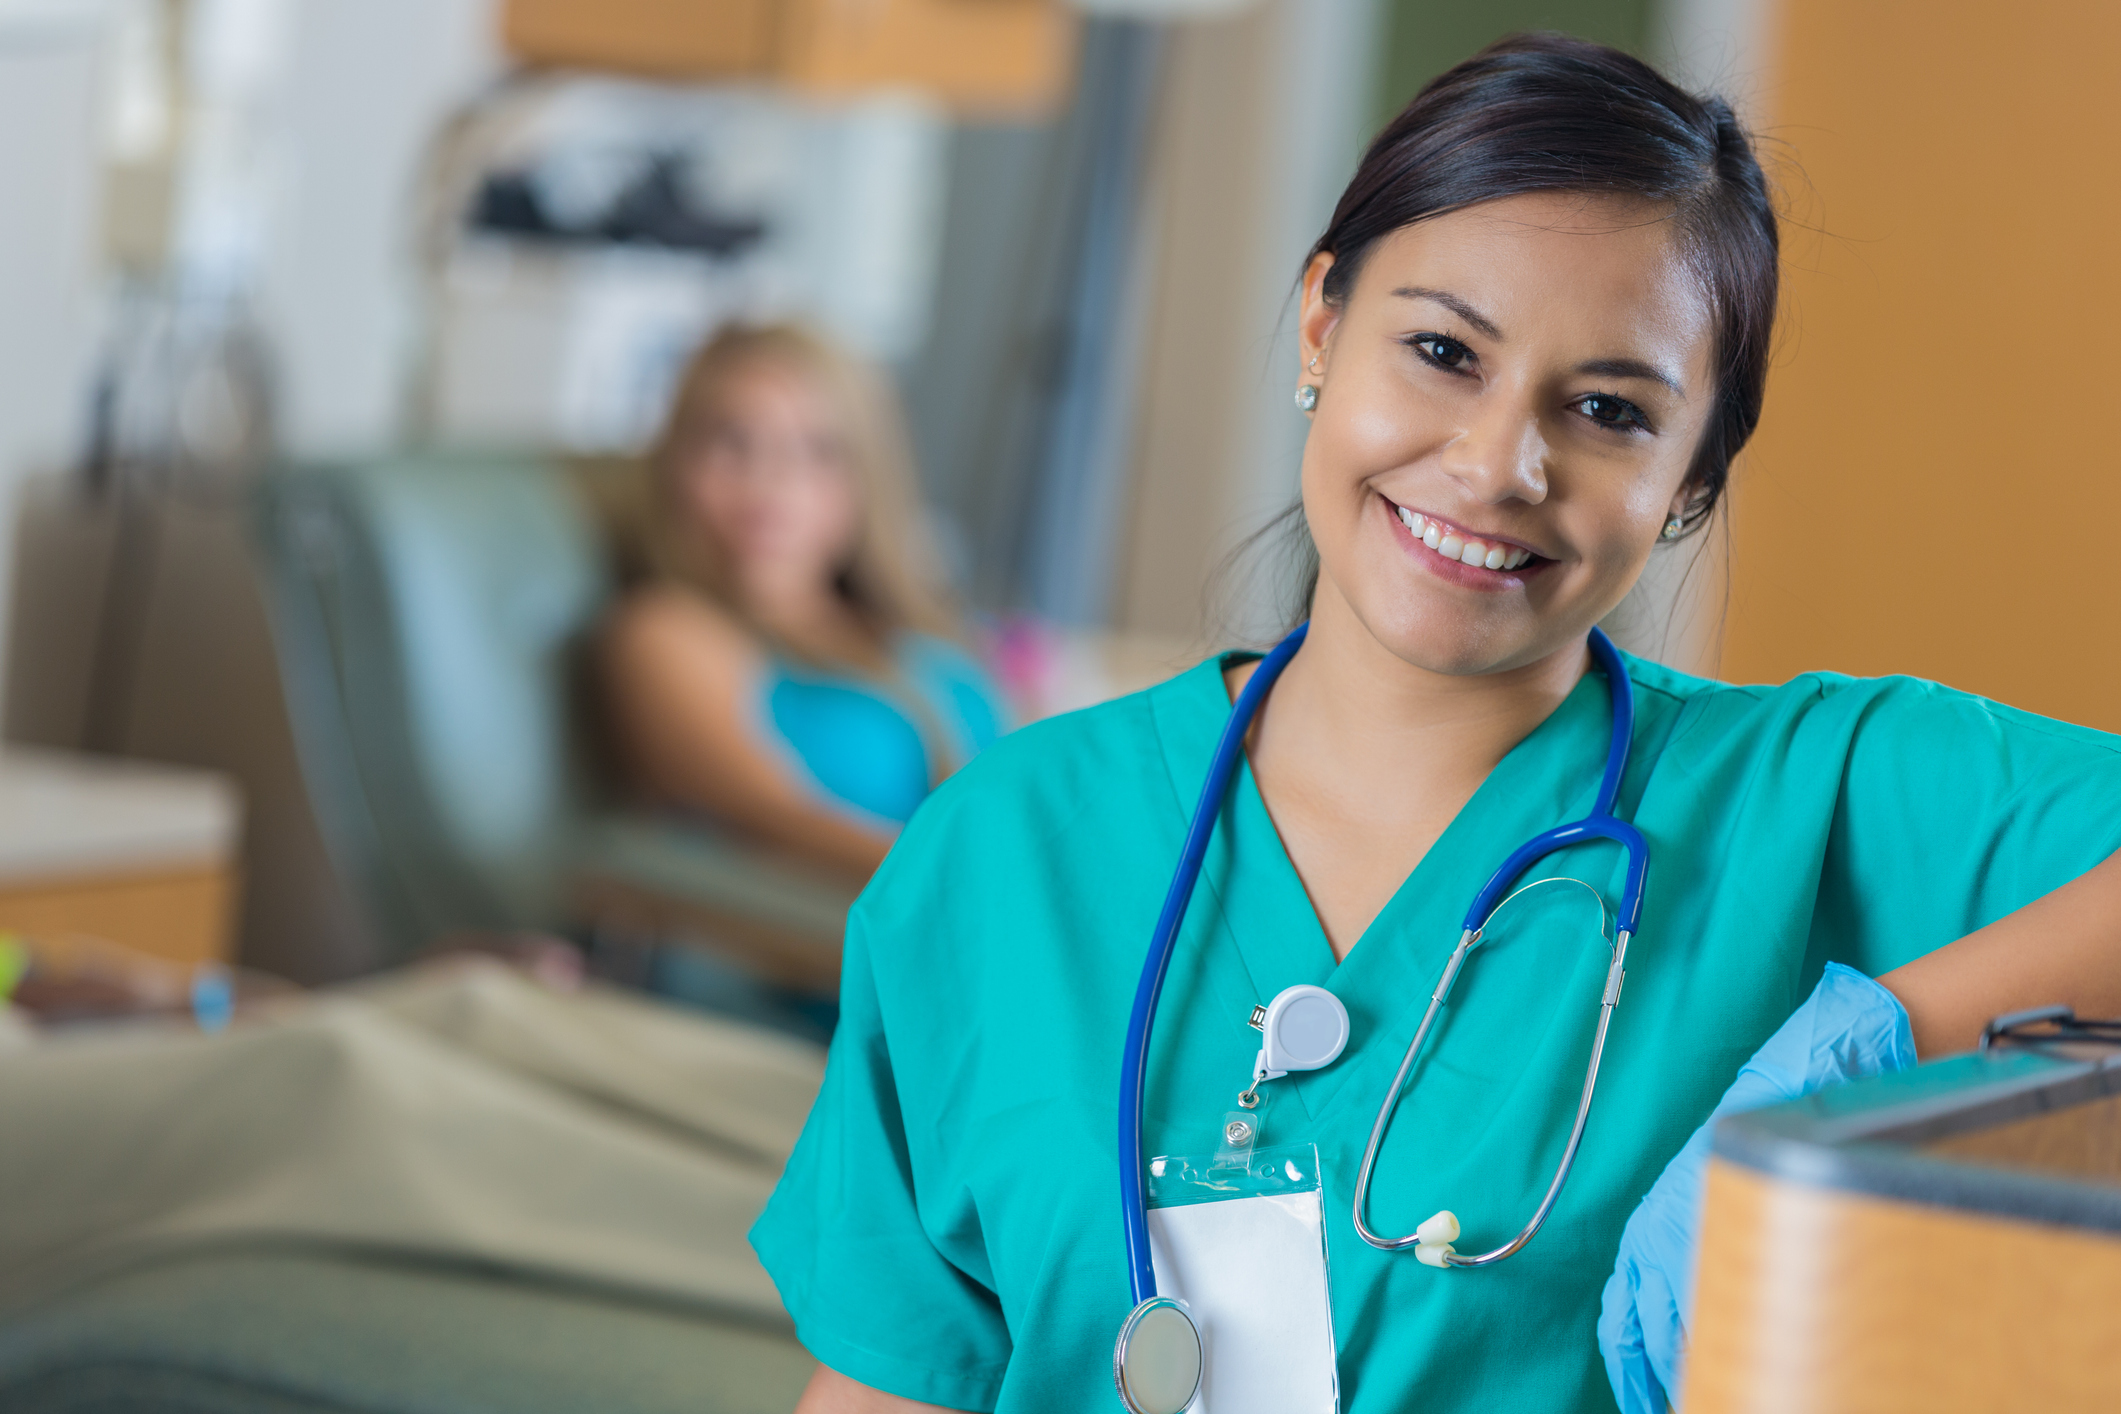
(445, 1192)
(286, 1333)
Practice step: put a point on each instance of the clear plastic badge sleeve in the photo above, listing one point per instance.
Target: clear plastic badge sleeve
(1244, 1246)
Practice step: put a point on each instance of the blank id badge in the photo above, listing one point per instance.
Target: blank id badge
(1240, 1238)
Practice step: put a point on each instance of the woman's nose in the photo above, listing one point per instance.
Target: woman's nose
(1500, 454)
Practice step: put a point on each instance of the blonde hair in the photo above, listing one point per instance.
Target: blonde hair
(878, 578)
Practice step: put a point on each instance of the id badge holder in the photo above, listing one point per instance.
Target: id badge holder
(1240, 1237)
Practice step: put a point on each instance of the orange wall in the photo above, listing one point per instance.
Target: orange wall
(1936, 487)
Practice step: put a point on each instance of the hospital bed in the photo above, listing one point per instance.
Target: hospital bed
(309, 1333)
(429, 615)
(448, 1191)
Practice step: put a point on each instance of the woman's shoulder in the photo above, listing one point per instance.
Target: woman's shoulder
(652, 618)
(1105, 760)
(1068, 802)
(1845, 707)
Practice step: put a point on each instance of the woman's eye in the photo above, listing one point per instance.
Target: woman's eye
(1609, 411)
(1441, 350)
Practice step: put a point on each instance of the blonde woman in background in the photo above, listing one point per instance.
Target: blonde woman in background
(787, 665)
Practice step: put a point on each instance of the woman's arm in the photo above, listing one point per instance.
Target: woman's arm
(2064, 948)
(831, 1392)
(679, 678)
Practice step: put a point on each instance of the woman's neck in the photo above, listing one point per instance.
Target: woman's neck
(1348, 697)
(810, 617)
(1364, 759)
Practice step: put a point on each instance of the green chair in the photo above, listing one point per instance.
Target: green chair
(429, 613)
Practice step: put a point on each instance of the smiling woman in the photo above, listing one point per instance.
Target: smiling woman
(1506, 382)
(1533, 338)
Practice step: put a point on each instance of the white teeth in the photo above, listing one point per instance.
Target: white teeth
(1464, 549)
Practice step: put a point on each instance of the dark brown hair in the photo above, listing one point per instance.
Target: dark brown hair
(1547, 113)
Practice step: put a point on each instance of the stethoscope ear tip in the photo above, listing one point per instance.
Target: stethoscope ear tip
(1433, 1239)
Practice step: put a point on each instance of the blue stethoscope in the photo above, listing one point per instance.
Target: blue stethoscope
(1157, 1360)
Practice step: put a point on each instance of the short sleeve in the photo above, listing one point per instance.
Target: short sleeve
(1955, 811)
(843, 1238)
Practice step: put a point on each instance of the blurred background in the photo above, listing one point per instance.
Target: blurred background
(333, 333)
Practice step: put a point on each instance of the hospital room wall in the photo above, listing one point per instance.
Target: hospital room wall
(1260, 119)
(1935, 476)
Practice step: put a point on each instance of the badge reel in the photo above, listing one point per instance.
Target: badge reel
(1241, 1237)
(1305, 1028)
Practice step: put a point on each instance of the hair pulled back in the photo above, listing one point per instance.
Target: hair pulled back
(1548, 113)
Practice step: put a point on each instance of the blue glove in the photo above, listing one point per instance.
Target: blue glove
(1848, 1028)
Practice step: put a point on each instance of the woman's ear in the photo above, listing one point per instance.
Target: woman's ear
(1688, 505)
(1316, 322)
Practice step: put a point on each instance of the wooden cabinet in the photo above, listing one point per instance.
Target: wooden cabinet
(1944, 1241)
(982, 56)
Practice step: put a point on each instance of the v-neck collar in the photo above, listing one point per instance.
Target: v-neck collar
(1266, 918)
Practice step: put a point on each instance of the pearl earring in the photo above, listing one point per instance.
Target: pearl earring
(1673, 527)
(1306, 397)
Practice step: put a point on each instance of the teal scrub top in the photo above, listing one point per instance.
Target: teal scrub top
(948, 1229)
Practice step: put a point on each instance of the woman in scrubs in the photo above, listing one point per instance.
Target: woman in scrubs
(1537, 332)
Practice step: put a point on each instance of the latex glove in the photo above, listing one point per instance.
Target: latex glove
(1848, 1028)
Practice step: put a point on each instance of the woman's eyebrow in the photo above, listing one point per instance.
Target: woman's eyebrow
(1457, 306)
(1631, 368)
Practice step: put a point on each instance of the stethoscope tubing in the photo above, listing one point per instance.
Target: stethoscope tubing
(1610, 999)
(1134, 1064)
(1601, 823)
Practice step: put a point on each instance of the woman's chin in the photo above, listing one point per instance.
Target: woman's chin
(1457, 643)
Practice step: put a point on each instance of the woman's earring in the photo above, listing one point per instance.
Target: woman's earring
(1673, 528)
(1306, 397)
(1313, 364)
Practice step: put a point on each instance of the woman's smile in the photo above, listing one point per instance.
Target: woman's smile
(1475, 559)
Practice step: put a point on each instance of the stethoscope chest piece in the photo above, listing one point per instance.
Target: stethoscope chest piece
(1156, 1362)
